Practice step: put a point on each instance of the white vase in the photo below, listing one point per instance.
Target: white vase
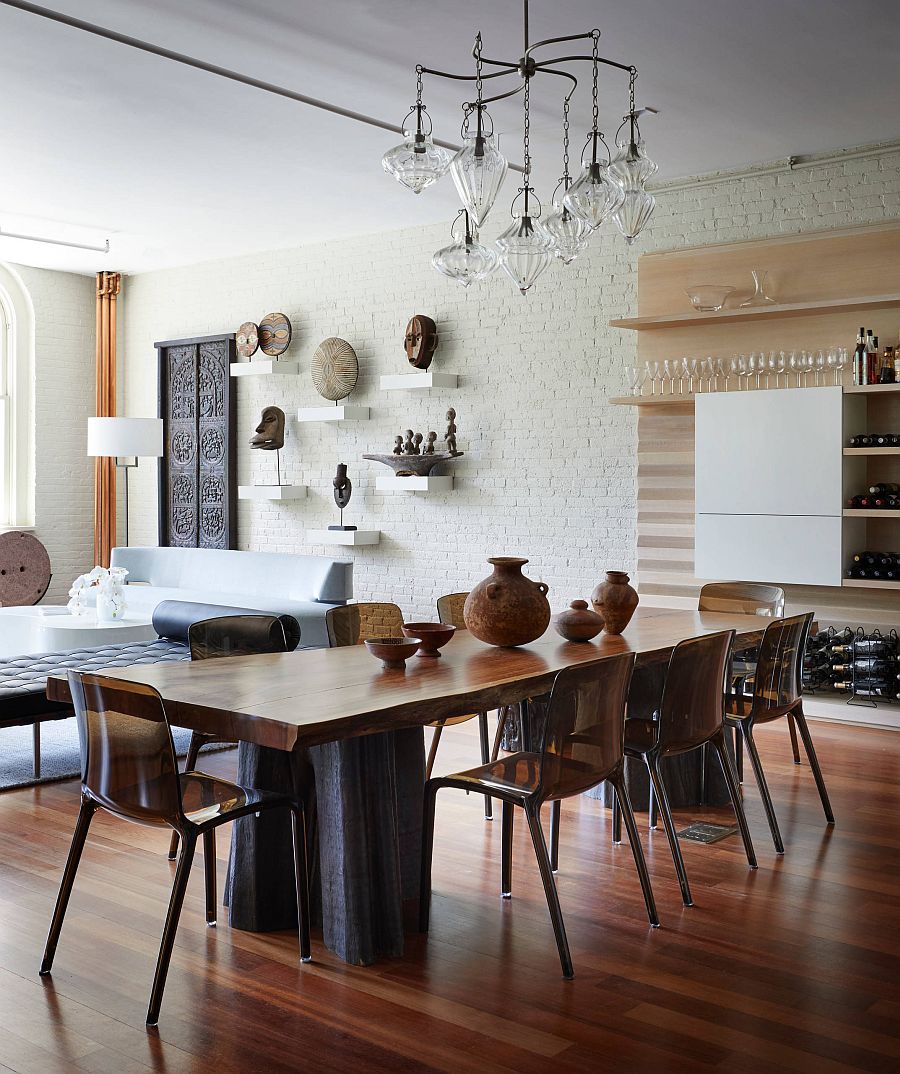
(110, 607)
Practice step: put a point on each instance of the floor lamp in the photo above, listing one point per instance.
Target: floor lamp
(125, 438)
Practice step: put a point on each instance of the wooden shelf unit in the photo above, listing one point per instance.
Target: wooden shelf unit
(758, 313)
(871, 389)
(872, 450)
(869, 583)
(651, 400)
(865, 512)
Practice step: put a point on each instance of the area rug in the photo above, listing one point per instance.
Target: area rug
(60, 757)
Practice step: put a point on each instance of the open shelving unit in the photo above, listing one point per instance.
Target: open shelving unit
(431, 483)
(264, 367)
(271, 492)
(428, 379)
(344, 537)
(333, 413)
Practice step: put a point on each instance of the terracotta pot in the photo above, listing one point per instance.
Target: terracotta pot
(615, 600)
(507, 608)
(578, 622)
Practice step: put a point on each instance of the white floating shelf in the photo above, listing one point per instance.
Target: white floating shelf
(271, 492)
(264, 367)
(428, 379)
(343, 536)
(392, 483)
(333, 413)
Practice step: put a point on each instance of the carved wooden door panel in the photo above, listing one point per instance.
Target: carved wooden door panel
(197, 472)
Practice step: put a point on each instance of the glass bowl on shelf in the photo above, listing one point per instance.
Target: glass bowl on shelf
(709, 297)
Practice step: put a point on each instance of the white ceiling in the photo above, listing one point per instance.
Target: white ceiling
(177, 166)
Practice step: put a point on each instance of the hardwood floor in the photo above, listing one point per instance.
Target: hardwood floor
(791, 968)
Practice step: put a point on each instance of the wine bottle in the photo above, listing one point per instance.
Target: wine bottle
(871, 358)
(877, 668)
(859, 358)
(874, 646)
(884, 488)
(867, 691)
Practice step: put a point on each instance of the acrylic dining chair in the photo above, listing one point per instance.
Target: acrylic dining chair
(129, 769)
(582, 746)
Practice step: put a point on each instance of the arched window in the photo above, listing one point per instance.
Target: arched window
(16, 401)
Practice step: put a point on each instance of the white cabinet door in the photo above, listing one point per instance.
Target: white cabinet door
(775, 452)
(782, 549)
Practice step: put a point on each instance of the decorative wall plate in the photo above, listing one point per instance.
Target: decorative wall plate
(247, 339)
(335, 368)
(274, 334)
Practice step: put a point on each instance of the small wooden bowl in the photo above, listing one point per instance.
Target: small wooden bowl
(434, 636)
(578, 622)
(393, 652)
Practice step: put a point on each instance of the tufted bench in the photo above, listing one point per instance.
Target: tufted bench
(23, 679)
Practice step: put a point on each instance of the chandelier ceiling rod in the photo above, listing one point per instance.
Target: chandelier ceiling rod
(211, 68)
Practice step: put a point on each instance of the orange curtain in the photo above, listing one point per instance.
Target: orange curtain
(108, 285)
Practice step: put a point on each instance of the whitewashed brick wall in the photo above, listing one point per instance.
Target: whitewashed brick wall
(549, 469)
(64, 399)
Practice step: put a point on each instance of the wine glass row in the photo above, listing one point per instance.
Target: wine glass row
(778, 369)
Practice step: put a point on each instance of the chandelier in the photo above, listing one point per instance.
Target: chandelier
(607, 187)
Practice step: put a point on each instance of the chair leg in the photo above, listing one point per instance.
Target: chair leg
(432, 752)
(555, 810)
(36, 749)
(485, 759)
(502, 716)
(651, 809)
(795, 748)
(193, 751)
(814, 764)
(301, 880)
(616, 820)
(182, 873)
(735, 791)
(209, 873)
(506, 836)
(739, 754)
(756, 764)
(68, 879)
(623, 807)
(427, 850)
(704, 761)
(543, 860)
(669, 825)
(173, 846)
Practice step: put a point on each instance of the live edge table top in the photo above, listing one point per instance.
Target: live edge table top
(286, 700)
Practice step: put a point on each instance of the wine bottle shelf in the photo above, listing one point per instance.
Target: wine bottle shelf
(872, 389)
(872, 450)
(869, 583)
(875, 512)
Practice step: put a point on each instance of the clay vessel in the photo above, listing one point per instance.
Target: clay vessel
(393, 652)
(507, 608)
(615, 600)
(434, 636)
(578, 622)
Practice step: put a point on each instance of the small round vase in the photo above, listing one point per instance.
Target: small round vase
(615, 601)
(507, 608)
(578, 622)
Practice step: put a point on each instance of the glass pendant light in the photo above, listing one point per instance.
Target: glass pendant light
(569, 232)
(465, 259)
(526, 247)
(631, 169)
(594, 195)
(479, 168)
(417, 162)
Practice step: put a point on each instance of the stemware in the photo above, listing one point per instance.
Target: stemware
(807, 366)
(745, 371)
(669, 372)
(781, 367)
(636, 377)
(772, 369)
(757, 364)
(653, 375)
(734, 368)
(722, 370)
(819, 364)
(795, 365)
(843, 362)
(831, 363)
(708, 367)
(693, 367)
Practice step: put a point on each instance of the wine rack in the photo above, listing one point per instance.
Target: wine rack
(863, 665)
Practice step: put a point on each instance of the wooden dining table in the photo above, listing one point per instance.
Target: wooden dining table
(359, 728)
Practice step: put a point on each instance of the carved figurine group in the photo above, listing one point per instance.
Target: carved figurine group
(410, 443)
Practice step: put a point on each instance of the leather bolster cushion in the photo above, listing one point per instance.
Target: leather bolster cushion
(173, 619)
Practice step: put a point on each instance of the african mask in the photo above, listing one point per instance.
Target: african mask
(420, 341)
(247, 339)
(269, 434)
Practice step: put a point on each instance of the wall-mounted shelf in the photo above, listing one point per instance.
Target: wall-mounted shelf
(428, 379)
(653, 400)
(264, 367)
(333, 413)
(345, 537)
(392, 483)
(872, 450)
(758, 313)
(875, 512)
(869, 583)
(872, 389)
(271, 492)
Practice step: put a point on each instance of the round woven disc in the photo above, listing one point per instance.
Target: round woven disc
(24, 569)
(247, 339)
(335, 368)
(274, 334)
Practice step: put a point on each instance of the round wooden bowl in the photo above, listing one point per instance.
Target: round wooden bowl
(434, 636)
(393, 652)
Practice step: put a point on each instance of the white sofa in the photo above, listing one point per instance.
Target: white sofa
(302, 586)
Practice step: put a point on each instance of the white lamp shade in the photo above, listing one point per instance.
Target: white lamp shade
(112, 437)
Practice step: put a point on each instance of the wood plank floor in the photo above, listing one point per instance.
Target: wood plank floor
(791, 968)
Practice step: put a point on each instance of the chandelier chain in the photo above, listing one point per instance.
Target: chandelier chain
(527, 133)
(631, 81)
(478, 68)
(596, 56)
(566, 142)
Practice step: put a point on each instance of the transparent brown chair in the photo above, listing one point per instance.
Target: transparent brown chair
(747, 598)
(691, 713)
(775, 691)
(228, 635)
(350, 624)
(129, 769)
(582, 746)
